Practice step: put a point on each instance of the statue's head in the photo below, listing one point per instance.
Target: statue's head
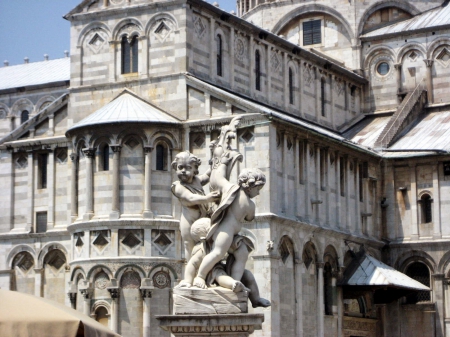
(251, 181)
(186, 165)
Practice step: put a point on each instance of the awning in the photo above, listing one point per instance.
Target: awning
(366, 273)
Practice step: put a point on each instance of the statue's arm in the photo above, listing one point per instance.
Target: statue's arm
(204, 178)
(251, 211)
(190, 199)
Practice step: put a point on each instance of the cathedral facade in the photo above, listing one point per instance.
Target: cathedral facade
(345, 107)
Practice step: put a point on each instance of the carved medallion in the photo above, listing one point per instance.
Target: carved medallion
(239, 48)
(161, 280)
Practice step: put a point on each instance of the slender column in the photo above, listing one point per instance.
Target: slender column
(87, 294)
(187, 133)
(332, 94)
(113, 67)
(429, 64)
(327, 187)
(298, 295)
(320, 300)
(413, 197)
(212, 47)
(284, 171)
(31, 187)
(398, 76)
(317, 93)
(146, 296)
(318, 184)
(340, 306)
(252, 66)
(231, 44)
(148, 214)
(207, 104)
(51, 125)
(74, 187)
(115, 202)
(89, 153)
(286, 81)
(357, 199)
(338, 189)
(38, 275)
(438, 298)
(300, 88)
(437, 233)
(269, 75)
(348, 222)
(12, 123)
(307, 181)
(296, 151)
(51, 189)
(114, 292)
(348, 94)
(176, 208)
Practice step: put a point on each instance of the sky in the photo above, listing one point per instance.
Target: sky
(32, 28)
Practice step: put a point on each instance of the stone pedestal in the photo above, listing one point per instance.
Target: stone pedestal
(236, 325)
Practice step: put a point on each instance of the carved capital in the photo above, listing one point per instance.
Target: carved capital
(88, 152)
(116, 148)
(86, 293)
(146, 293)
(428, 63)
(398, 66)
(114, 292)
(148, 149)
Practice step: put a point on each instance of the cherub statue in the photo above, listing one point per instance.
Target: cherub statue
(235, 207)
(219, 275)
(189, 190)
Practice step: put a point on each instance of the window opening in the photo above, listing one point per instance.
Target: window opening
(426, 201)
(446, 168)
(219, 55)
(312, 32)
(42, 170)
(328, 289)
(129, 55)
(291, 86)
(257, 70)
(322, 96)
(160, 158)
(383, 68)
(105, 157)
(24, 116)
(101, 316)
(41, 222)
(419, 272)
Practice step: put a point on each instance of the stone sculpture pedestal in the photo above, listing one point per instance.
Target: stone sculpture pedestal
(236, 325)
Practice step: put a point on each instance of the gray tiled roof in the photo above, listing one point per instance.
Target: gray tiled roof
(127, 107)
(433, 18)
(35, 73)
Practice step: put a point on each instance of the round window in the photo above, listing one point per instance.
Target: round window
(383, 68)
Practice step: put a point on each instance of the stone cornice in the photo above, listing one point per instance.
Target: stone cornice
(122, 224)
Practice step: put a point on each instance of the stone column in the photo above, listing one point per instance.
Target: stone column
(298, 296)
(338, 189)
(307, 181)
(148, 214)
(327, 164)
(437, 232)
(38, 284)
(348, 218)
(300, 88)
(317, 94)
(269, 74)
(87, 294)
(413, 196)
(30, 194)
(51, 125)
(332, 84)
(231, 44)
(286, 81)
(340, 305)
(115, 201)
(252, 66)
(51, 190)
(212, 48)
(207, 104)
(295, 149)
(438, 298)
(143, 65)
(398, 77)
(357, 199)
(320, 300)
(146, 293)
(318, 168)
(114, 291)
(113, 67)
(89, 153)
(429, 64)
(74, 187)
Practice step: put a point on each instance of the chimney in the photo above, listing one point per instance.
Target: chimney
(26, 60)
(5, 63)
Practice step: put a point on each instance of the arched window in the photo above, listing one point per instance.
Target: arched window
(24, 116)
(257, 70)
(101, 316)
(105, 158)
(219, 55)
(129, 55)
(291, 86)
(322, 96)
(161, 158)
(328, 289)
(426, 209)
(419, 272)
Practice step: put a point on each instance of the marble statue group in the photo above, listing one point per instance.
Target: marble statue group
(216, 249)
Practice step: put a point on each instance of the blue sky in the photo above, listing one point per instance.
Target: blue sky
(32, 28)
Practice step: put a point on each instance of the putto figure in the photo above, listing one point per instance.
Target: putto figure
(189, 190)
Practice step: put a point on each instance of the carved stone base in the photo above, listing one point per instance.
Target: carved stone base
(241, 325)
(213, 301)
